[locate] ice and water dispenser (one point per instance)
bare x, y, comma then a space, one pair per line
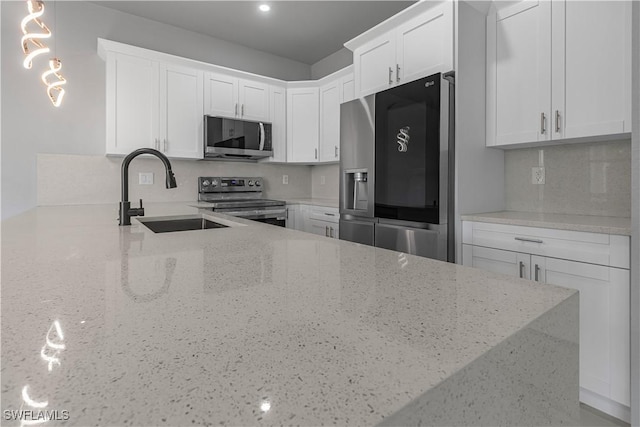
357, 190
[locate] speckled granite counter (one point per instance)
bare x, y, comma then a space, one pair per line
258, 324
327, 203
589, 223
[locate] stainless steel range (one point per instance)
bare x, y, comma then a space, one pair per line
241, 197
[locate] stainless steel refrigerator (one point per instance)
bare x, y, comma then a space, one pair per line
397, 168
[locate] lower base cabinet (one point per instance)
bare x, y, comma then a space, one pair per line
320, 220
604, 317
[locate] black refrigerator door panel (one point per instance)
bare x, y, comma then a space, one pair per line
408, 151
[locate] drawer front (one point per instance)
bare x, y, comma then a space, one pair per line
324, 214
593, 248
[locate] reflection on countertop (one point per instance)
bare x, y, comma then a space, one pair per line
243, 325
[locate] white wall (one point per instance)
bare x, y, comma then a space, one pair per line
332, 63
330, 188
32, 125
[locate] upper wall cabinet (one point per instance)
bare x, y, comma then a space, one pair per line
228, 96
330, 100
412, 44
302, 124
278, 119
545, 81
153, 105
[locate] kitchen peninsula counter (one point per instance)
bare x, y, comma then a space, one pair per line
257, 324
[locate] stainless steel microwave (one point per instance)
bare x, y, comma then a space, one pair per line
230, 139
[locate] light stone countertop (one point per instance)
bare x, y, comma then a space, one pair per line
328, 203
588, 223
247, 325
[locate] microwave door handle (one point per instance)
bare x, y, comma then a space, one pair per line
261, 133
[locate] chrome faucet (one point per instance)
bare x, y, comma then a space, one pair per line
126, 212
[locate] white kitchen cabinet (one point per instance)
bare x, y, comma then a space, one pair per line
302, 124
181, 111
278, 119
294, 218
348, 88
154, 105
545, 83
590, 92
132, 103
419, 45
323, 221
229, 96
604, 294
330, 100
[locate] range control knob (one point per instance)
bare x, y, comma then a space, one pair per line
258, 184
251, 183
214, 182
205, 183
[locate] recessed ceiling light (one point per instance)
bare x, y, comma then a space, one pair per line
264, 8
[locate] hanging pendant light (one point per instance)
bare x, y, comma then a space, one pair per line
54, 88
31, 41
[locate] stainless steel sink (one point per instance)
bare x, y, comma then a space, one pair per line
180, 224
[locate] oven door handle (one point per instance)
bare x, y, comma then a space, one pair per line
261, 135
244, 214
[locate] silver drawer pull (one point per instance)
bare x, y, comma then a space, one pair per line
329, 214
524, 239
521, 270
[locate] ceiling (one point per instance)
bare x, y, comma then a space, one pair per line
304, 31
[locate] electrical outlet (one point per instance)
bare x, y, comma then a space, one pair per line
285, 179
537, 175
322, 180
145, 178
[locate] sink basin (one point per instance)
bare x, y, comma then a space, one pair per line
182, 224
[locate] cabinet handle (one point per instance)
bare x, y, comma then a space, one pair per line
326, 231
316, 155
329, 214
537, 270
397, 72
524, 239
543, 123
165, 145
156, 144
286, 213
242, 110
336, 151
521, 270
557, 121
236, 110
390, 75
331, 232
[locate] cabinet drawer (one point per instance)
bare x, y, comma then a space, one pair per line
324, 214
594, 248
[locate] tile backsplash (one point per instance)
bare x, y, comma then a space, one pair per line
585, 178
74, 179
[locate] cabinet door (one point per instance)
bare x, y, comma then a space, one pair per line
519, 74
374, 65
424, 45
496, 260
604, 322
591, 77
278, 119
132, 103
330, 98
221, 95
181, 112
254, 101
302, 125
348, 88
